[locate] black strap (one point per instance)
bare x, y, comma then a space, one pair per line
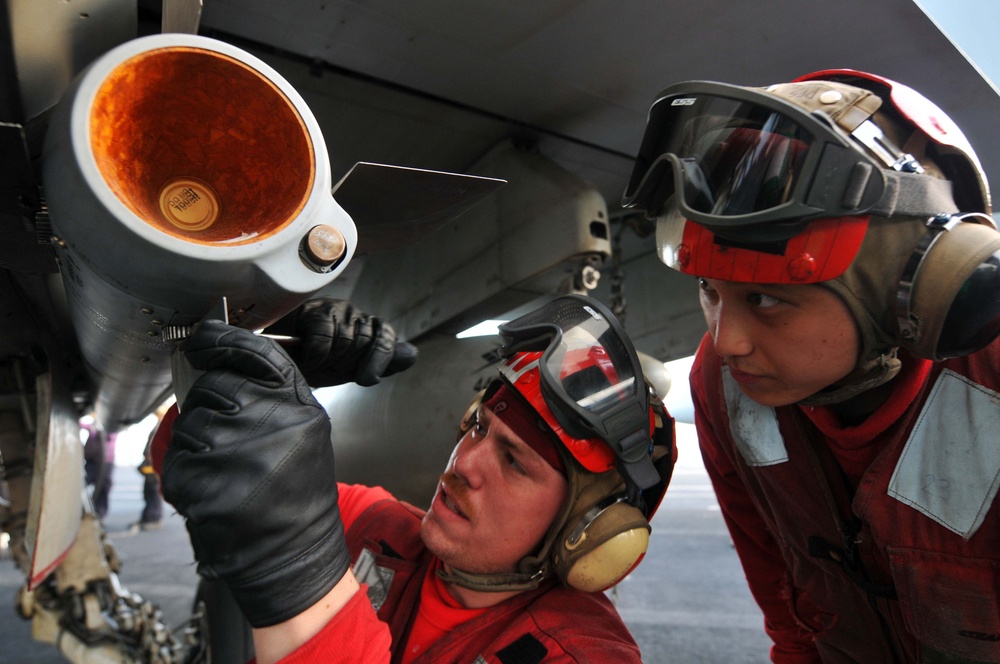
526, 650
840, 496
849, 561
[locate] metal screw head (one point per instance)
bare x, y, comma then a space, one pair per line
323, 247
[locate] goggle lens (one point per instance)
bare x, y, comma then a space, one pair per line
591, 374
734, 157
586, 369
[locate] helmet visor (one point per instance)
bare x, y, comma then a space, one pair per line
738, 160
822, 250
590, 373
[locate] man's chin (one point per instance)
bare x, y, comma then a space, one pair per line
444, 547
771, 398
433, 536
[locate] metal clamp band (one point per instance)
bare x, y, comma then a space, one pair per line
908, 324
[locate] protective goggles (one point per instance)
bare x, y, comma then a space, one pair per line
590, 377
748, 165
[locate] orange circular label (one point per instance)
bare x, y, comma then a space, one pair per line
189, 204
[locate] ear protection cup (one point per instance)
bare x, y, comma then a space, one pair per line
602, 537
597, 550
948, 299
606, 535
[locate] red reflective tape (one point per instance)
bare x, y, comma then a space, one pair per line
823, 251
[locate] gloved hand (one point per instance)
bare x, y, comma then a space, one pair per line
340, 344
251, 469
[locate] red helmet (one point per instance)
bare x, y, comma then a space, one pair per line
587, 379
842, 178
950, 149
521, 372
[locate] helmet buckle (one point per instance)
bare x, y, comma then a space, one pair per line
869, 135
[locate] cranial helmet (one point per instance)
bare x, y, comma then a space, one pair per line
571, 364
840, 178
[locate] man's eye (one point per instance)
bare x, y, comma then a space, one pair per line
514, 464
762, 300
706, 291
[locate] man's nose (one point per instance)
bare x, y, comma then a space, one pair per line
731, 332
469, 458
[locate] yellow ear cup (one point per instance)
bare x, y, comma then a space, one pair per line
595, 556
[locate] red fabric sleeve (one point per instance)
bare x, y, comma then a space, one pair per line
161, 438
354, 635
759, 554
353, 499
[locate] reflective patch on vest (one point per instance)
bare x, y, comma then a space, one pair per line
379, 579
753, 427
480, 660
950, 466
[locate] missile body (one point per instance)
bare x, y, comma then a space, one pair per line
179, 169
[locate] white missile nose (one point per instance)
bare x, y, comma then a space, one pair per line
179, 169
201, 146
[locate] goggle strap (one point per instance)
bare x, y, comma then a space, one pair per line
634, 446
861, 175
640, 474
914, 195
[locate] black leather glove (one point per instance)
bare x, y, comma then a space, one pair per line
250, 467
339, 344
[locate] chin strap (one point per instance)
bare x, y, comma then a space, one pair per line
873, 373
499, 582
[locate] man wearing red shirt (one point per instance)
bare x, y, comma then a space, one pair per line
846, 392
544, 503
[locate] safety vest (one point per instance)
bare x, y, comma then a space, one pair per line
550, 624
907, 569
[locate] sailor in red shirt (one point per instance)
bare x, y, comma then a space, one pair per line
544, 503
846, 392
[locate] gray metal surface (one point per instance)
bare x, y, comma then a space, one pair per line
588, 70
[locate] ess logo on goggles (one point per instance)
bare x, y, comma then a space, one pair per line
751, 166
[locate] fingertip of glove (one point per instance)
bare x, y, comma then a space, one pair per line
404, 356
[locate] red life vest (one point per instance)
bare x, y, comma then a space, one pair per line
902, 567
551, 624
